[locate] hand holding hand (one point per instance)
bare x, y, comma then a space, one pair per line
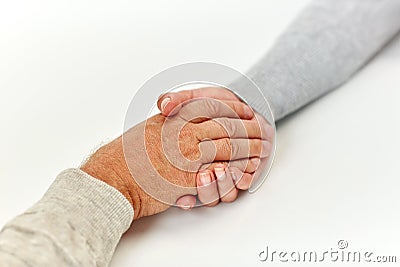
220, 183
142, 163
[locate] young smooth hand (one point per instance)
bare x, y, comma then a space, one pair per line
221, 181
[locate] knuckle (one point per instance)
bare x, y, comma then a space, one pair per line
228, 126
211, 107
256, 146
218, 125
226, 146
257, 129
241, 164
187, 142
207, 151
186, 131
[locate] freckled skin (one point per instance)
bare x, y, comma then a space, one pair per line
157, 162
109, 163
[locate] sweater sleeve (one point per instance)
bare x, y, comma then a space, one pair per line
78, 222
328, 42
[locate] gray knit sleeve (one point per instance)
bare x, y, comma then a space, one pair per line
78, 222
326, 44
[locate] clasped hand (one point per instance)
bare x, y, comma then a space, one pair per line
205, 142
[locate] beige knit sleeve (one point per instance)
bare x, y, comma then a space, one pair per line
78, 222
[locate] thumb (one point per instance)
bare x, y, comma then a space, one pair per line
170, 103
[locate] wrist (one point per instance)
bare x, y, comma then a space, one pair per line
108, 165
107, 176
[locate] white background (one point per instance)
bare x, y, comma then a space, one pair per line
68, 70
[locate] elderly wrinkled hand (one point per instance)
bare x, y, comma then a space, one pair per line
158, 161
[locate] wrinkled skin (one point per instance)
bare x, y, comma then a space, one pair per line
137, 163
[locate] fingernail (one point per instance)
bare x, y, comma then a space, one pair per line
165, 102
205, 178
234, 176
186, 207
220, 172
248, 112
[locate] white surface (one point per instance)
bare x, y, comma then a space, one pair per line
69, 69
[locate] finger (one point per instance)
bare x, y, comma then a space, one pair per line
186, 202
244, 165
226, 149
268, 130
241, 180
260, 173
207, 188
169, 101
230, 128
201, 109
226, 187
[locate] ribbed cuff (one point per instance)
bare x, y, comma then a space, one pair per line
82, 216
90, 196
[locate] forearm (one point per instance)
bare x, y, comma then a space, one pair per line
327, 43
78, 222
